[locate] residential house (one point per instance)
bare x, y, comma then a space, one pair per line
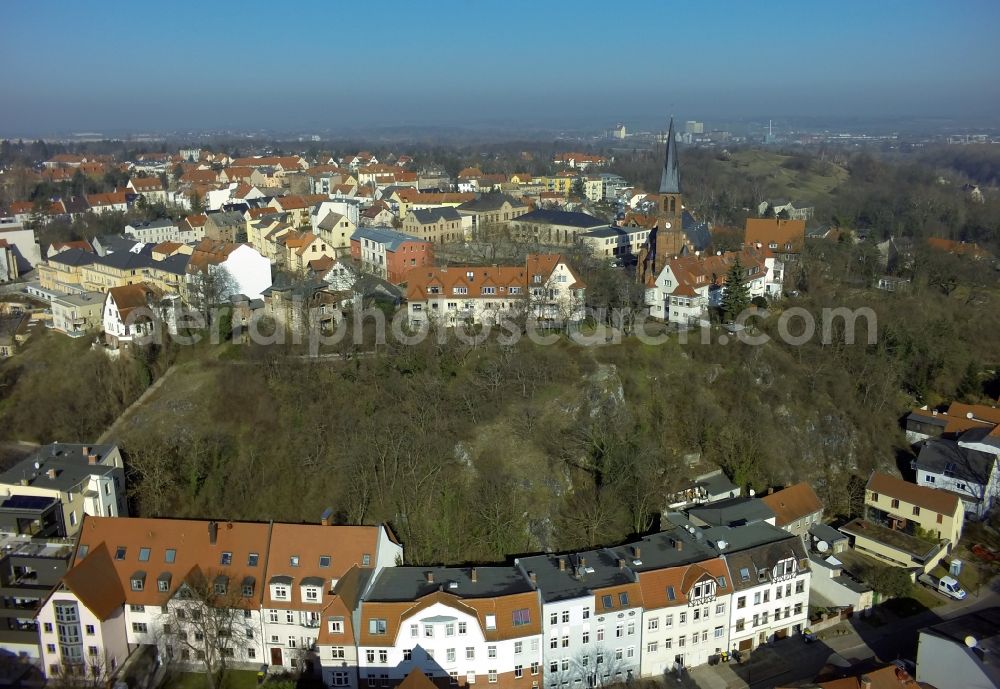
78, 314
302, 304
111, 202
966, 466
81, 479
12, 333
961, 652
907, 525
57, 247
461, 625
310, 568
495, 210
770, 575
782, 238
924, 423
708, 487
546, 289
302, 247
690, 285
224, 226
686, 597
785, 209
832, 586
297, 206
250, 272
436, 225
63, 271
336, 231
21, 248
154, 231
591, 614
116, 269
379, 214
546, 226
796, 509
129, 313
145, 582
150, 188
960, 248
390, 254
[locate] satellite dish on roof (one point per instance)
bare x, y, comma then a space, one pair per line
969, 414
752, 492
970, 641
822, 546
38, 465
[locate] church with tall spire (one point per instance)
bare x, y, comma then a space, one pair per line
667, 239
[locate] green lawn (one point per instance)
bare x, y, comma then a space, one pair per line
234, 679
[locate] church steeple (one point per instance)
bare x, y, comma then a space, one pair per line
670, 179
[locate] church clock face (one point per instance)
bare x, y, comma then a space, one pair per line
666, 225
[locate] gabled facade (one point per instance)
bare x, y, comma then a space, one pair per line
546, 289
478, 625
128, 313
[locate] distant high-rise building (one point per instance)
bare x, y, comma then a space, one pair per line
618, 132
694, 127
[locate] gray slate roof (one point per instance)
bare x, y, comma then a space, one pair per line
384, 235
427, 216
732, 512
584, 572
489, 202
73, 257
947, 457
66, 458
410, 583
548, 216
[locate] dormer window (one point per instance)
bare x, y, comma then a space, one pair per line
247, 587
138, 581
163, 582
221, 585
336, 625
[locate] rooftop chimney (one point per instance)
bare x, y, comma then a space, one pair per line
91, 459
562, 564
679, 544
865, 681
429, 576
583, 561
474, 575
86, 450
770, 490
213, 532
636, 552
621, 563
51, 473
533, 577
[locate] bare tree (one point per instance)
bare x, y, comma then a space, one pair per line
209, 288
206, 622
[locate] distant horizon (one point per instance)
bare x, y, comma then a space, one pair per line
456, 63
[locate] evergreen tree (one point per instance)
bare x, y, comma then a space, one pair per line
736, 294
578, 190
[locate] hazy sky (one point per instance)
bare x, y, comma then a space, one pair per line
171, 64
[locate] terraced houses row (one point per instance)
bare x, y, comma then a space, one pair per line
336, 602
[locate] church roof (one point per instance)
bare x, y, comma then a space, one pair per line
670, 180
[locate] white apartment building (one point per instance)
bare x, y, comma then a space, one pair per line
591, 615
546, 288
467, 626
689, 285
769, 570
154, 231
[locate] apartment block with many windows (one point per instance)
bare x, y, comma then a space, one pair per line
458, 626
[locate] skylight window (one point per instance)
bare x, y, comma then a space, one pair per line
170, 555
252, 559
226, 559
324, 560
143, 554
294, 560
120, 552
